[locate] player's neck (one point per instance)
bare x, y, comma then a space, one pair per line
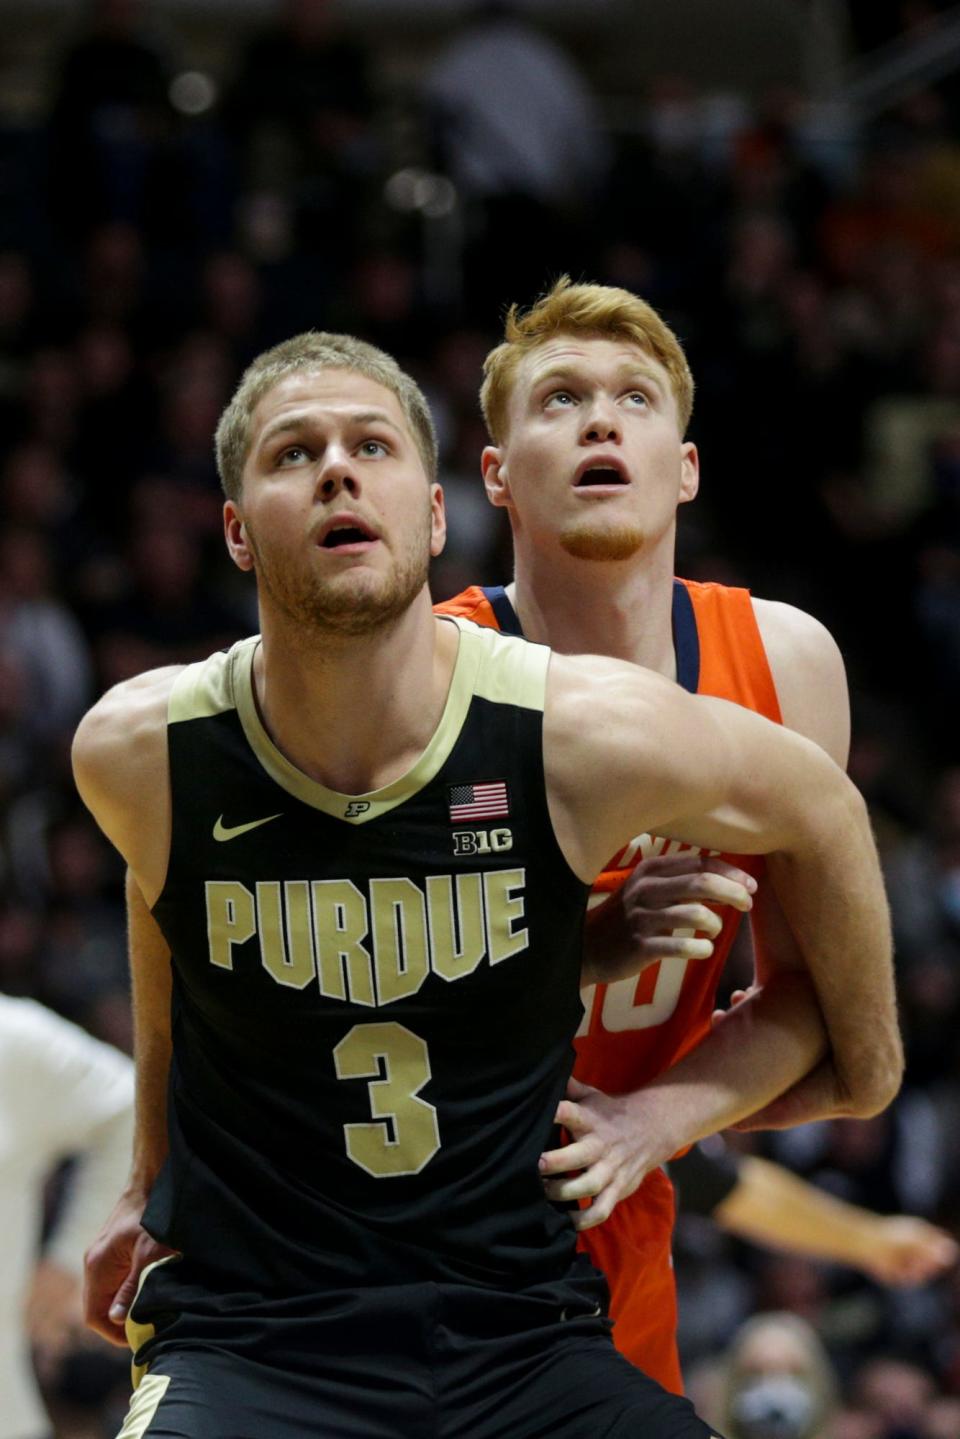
622, 609
355, 713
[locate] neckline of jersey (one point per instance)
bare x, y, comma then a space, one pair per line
686, 638
359, 808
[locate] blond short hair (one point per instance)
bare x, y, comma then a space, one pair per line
316, 350
597, 311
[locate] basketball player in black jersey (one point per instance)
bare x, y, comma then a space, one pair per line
365, 841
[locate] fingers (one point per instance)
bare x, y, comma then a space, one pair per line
671, 946
686, 862
690, 916
686, 867
97, 1316
110, 1279
736, 998
702, 886
124, 1297
916, 1252
659, 883
595, 1213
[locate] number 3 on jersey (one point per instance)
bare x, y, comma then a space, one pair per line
404, 1135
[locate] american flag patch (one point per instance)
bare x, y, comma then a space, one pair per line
478, 801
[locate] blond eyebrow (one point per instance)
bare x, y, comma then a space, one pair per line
631, 370
297, 423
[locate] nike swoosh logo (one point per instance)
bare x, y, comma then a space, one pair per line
222, 831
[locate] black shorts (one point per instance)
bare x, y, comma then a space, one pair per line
422, 1361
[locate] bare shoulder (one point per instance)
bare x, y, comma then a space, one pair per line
809, 675
581, 686
790, 634
120, 767
608, 752
118, 730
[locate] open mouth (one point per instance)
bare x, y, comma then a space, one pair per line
600, 475
345, 535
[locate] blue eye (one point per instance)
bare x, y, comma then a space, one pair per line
374, 448
563, 397
293, 455
638, 395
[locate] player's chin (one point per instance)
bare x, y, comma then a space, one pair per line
602, 539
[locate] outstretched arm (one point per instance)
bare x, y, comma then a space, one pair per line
745, 786
120, 756
855, 996
769, 1205
616, 1139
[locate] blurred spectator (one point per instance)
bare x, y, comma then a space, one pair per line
780, 1384
62, 1094
300, 108
923, 877
16, 317
518, 132
167, 614
111, 118
42, 636
897, 1393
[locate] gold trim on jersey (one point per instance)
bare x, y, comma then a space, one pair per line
144, 1405
205, 689
489, 665
513, 671
485, 666
139, 1334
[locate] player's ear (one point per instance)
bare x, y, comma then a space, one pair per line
235, 534
438, 521
689, 473
495, 479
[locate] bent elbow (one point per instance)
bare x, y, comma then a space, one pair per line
877, 1090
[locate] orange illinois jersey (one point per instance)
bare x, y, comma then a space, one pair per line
636, 1028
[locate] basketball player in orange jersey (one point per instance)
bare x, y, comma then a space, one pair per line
587, 402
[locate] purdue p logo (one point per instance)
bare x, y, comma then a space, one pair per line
482, 841
356, 807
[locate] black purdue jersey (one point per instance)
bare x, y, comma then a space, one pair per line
374, 997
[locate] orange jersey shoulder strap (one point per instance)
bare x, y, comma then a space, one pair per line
733, 662
486, 605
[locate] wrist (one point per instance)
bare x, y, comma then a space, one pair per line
868, 1241
138, 1186
660, 1115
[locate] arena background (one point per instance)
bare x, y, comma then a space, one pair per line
182, 184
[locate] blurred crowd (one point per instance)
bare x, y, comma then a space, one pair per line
160, 227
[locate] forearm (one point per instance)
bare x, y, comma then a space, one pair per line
150, 1141
151, 980
759, 1050
772, 1206
831, 894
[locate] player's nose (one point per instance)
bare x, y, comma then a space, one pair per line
337, 475
601, 423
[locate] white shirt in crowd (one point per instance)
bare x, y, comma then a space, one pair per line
62, 1093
